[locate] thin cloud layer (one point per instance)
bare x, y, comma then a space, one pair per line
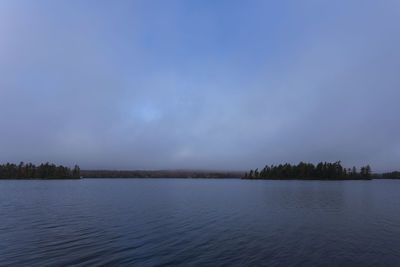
177, 84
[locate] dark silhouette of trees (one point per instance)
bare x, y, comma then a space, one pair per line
160, 174
76, 171
322, 171
43, 171
390, 175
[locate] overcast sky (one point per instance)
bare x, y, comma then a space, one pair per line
200, 84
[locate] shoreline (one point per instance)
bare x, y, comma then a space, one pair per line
194, 178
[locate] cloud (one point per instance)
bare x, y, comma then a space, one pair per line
221, 86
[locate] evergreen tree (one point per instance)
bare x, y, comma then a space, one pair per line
76, 172
322, 170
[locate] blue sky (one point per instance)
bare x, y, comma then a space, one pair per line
200, 84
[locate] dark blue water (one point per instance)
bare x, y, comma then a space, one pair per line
200, 222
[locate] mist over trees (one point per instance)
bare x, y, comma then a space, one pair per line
43, 171
161, 174
322, 171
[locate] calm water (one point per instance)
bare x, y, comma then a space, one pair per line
199, 222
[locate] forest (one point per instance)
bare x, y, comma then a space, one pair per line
303, 171
309, 171
160, 174
389, 175
43, 171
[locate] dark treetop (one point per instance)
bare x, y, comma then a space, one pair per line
43, 171
322, 171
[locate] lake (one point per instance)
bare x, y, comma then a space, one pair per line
199, 222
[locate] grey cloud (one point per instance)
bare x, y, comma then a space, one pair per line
112, 90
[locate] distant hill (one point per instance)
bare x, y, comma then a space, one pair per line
160, 174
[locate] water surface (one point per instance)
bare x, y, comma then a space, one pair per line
199, 222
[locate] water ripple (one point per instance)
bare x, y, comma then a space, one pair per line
199, 223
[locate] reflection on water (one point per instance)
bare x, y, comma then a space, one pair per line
199, 222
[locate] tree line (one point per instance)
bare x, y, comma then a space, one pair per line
321, 171
160, 174
43, 171
390, 175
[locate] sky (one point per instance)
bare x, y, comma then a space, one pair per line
219, 85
